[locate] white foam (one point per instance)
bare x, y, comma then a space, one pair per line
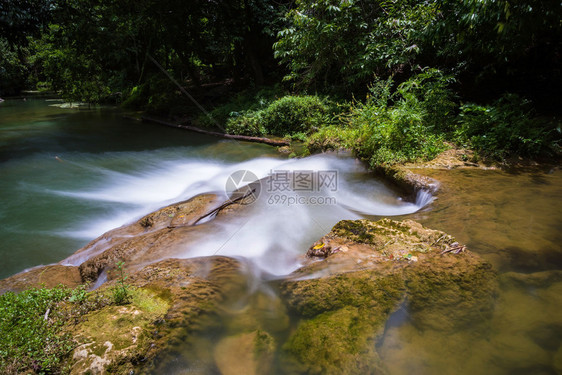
274, 235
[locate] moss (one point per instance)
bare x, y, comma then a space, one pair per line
465, 289
360, 289
336, 342
354, 230
116, 335
345, 310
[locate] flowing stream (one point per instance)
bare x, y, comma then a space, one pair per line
69, 175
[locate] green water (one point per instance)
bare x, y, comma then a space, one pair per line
68, 175
513, 220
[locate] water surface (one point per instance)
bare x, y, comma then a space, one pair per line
67, 176
70, 175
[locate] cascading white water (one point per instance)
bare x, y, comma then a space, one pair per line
279, 225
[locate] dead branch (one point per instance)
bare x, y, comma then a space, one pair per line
267, 141
217, 210
454, 250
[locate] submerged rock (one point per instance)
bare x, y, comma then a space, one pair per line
370, 269
353, 279
247, 353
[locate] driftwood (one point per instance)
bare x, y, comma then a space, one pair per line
218, 209
267, 141
454, 250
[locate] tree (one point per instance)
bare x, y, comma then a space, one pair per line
345, 43
499, 45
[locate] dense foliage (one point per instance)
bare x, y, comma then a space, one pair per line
394, 126
491, 45
505, 128
90, 48
291, 115
481, 73
344, 44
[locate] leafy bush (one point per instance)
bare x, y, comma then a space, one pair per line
503, 129
392, 127
289, 116
295, 114
244, 103
432, 89
249, 123
331, 138
395, 134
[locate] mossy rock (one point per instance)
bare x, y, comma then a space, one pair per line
171, 300
359, 289
115, 337
336, 342
368, 270
246, 353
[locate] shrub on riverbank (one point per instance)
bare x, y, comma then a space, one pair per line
393, 127
396, 123
505, 128
289, 116
243, 103
413, 121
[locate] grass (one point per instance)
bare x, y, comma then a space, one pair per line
31, 329
39, 326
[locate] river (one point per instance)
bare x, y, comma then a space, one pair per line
69, 175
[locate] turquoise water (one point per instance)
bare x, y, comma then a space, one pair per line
69, 175
51, 158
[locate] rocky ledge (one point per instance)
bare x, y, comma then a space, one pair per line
364, 271
353, 279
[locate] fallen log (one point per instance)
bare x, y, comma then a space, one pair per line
267, 141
